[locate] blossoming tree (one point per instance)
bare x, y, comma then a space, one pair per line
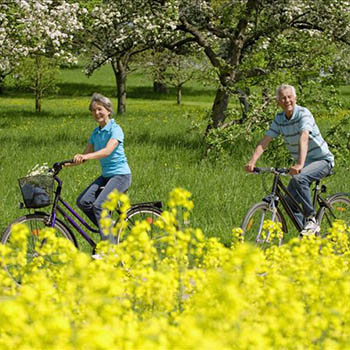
120, 30
38, 28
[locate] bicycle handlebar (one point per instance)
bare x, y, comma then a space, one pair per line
281, 171
57, 167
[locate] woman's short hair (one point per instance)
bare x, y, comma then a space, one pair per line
102, 100
284, 87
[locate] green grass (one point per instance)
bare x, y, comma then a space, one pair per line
163, 150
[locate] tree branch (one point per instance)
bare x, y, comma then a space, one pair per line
201, 40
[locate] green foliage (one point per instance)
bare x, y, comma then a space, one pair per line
224, 143
39, 75
338, 138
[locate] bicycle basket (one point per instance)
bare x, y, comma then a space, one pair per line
36, 190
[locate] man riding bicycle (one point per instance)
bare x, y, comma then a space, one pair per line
303, 139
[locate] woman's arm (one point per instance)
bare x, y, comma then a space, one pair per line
90, 154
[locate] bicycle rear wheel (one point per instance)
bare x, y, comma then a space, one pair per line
252, 224
35, 223
339, 209
149, 214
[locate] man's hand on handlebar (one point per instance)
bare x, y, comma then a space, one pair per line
295, 169
249, 167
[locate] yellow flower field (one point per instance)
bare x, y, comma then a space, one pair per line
193, 293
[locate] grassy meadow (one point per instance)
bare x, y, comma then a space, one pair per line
163, 149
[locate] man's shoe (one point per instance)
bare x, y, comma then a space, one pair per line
311, 227
97, 256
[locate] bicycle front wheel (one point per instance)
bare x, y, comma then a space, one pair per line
252, 224
339, 209
35, 223
150, 215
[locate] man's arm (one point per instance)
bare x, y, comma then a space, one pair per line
259, 150
303, 148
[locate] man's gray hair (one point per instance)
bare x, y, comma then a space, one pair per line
102, 100
284, 87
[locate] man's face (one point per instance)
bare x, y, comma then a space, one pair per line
287, 101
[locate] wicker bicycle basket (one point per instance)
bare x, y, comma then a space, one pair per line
37, 190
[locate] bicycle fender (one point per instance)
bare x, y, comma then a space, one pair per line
339, 194
158, 205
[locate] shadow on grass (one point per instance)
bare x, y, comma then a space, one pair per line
141, 92
137, 92
16, 114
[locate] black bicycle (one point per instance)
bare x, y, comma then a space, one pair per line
329, 209
37, 192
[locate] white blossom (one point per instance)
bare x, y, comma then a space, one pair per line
28, 28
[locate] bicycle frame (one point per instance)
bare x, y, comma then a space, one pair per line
280, 193
57, 208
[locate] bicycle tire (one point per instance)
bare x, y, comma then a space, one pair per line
252, 223
42, 219
150, 214
340, 206
36, 221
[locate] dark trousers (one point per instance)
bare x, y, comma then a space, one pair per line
91, 199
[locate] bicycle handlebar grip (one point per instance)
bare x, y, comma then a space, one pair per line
57, 167
282, 170
70, 161
256, 170
259, 170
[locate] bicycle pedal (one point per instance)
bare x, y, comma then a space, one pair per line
262, 241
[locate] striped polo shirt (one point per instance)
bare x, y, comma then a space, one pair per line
290, 130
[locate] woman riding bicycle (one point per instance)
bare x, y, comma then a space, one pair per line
106, 143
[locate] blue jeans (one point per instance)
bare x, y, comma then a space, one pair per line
91, 199
299, 187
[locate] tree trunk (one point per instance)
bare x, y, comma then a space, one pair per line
160, 87
218, 112
2, 77
243, 99
37, 103
179, 94
37, 84
120, 73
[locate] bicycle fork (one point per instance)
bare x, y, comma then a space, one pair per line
272, 199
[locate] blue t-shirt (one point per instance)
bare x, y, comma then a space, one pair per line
116, 163
290, 130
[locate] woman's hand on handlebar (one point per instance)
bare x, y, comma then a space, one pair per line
57, 167
79, 159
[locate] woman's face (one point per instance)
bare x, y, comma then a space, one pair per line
100, 114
